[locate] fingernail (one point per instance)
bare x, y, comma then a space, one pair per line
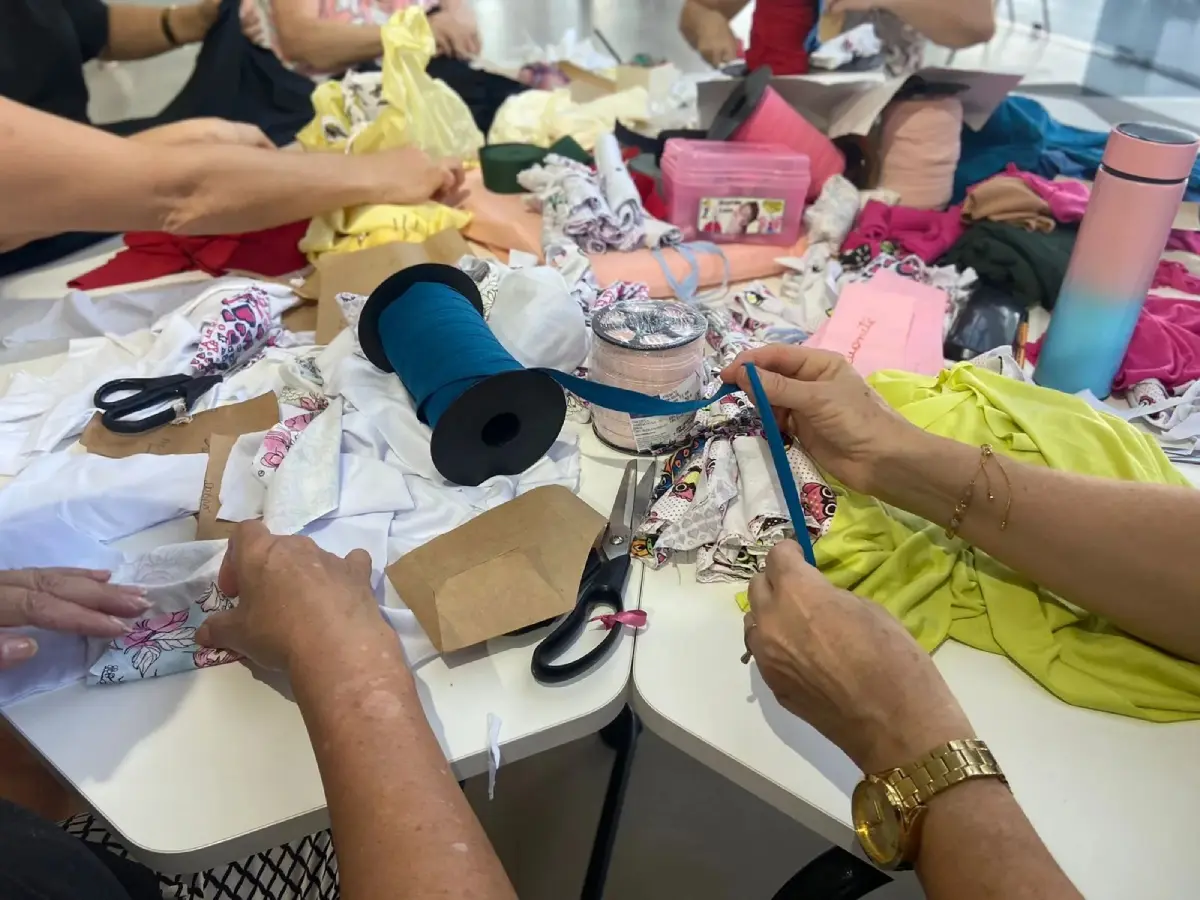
132, 590
121, 624
138, 604
17, 649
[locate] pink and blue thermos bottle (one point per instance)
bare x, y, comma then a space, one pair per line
1141, 181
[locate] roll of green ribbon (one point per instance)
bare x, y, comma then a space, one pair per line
502, 163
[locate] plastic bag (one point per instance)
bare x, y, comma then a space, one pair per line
403, 107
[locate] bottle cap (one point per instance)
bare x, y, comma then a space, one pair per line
1156, 153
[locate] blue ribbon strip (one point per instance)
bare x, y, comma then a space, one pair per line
637, 404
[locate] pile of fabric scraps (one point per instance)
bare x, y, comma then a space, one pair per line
542, 117
717, 496
901, 230
855, 50
348, 464
597, 211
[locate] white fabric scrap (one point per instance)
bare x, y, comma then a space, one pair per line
493, 727
308, 482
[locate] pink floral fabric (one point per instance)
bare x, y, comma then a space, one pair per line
240, 331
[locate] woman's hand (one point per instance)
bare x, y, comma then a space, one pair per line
412, 176
205, 131
293, 598
715, 40
846, 666
78, 601
818, 397
252, 23
456, 33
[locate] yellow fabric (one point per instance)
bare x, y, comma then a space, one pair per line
360, 227
940, 587
542, 117
419, 111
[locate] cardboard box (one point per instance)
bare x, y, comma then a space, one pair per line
365, 270
513, 566
849, 103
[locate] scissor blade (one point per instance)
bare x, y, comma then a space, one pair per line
616, 537
645, 490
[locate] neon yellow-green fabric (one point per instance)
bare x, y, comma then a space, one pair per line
939, 587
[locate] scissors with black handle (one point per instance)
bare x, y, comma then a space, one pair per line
603, 584
179, 392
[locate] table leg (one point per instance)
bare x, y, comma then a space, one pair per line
834, 875
621, 734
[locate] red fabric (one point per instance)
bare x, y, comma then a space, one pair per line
1176, 275
651, 199
1165, 345
152, 254
927, 233
777, 35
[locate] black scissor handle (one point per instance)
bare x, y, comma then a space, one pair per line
139, 390
146, 394
605, 589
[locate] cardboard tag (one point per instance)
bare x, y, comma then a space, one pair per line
515, 565
363, 271
246, 417
301, 318
208, 526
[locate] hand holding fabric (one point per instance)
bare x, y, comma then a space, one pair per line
715, 41
818, 397
292, 598
456, 33
846, 666
412, 176
77, 601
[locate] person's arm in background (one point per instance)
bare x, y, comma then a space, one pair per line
62, 176
950, 23
705, 26
136, 32
1057, 520
401, 826
847, 667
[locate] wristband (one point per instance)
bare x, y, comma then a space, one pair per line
164, 21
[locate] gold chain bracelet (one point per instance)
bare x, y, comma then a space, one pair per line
986, 453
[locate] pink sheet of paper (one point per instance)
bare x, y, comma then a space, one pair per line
888, 322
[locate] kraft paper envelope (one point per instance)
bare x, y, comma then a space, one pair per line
246, 417
208, 526
513, 566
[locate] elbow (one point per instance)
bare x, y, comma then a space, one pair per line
293, 36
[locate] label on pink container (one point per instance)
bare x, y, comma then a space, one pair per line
740, 215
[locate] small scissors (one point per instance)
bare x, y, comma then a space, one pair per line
180, 391
603, 583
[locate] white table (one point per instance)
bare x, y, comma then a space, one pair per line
1110, 796
202, 768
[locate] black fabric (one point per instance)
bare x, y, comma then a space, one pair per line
483, 92
43, 46
1028, 266
38, 861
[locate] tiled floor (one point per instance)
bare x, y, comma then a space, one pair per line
686, 832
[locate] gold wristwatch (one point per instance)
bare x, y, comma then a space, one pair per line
888, 808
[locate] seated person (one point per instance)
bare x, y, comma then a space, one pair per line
328, 37
218, 179
400, 822
780, 28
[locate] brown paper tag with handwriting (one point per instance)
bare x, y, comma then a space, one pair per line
208, 526
246, 417
364, 270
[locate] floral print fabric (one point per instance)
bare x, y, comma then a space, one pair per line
163, 642
717, 496
241, 329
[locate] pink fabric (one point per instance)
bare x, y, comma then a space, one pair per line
1165, 345
1175, 275
1188, 241
923, 232
1067, 199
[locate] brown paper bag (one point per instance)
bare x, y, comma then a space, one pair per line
247, 417
365, 270
208, 526
515, 565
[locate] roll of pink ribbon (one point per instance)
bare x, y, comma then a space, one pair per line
773, 121
919, 148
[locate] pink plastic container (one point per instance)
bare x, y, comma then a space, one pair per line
735, 192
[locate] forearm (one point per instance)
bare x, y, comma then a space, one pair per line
1067, 533
959, 23
977, 843
325, 45
402, 827
135, 32
700, 14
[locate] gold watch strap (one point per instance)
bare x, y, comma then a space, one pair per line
945, 766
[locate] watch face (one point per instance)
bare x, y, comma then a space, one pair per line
877, 822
